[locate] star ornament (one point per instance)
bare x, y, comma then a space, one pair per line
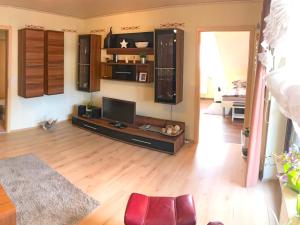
124, 44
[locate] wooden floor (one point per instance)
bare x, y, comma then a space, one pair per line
109, 171
222, 128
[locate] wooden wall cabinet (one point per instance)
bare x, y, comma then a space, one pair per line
89, 63
169, 65
54, 62
130, 71
31, 63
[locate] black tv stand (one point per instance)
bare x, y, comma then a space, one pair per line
118, 124
133, 135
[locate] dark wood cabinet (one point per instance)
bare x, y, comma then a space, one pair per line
133, 72
31, 63
169, 65
54, 62
133, 135
89, 63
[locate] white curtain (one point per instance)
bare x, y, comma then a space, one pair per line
282, 44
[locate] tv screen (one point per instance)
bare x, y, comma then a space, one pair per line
118, 110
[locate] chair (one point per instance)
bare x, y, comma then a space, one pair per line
145, 210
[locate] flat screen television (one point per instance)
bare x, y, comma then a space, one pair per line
118, 110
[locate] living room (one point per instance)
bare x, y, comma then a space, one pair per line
101, 117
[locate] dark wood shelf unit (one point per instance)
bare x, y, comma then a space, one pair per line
148, 68
31, 63
54, 62
169, 48
133, 135
130, 62
130, 38
130, 51
89, 63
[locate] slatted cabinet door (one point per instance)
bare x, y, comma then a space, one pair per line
95, 63
54, 62
31, 63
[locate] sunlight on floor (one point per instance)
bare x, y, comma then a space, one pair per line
223, 168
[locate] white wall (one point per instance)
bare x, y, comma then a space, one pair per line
193, 17
26, 113
275, 139
231, 55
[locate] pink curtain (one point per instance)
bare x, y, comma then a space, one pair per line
257, 118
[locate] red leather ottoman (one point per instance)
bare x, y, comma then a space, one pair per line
215, 223
144, 210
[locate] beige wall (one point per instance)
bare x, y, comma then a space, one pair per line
2, 64
234, 56
234, 51
194, 17
29, 112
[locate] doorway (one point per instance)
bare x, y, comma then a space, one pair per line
3, 79
224, 79
223, 70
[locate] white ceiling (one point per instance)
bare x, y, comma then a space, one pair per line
92, 8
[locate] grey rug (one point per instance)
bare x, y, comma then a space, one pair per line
41, 195
214, 109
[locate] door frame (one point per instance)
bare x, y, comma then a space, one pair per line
250, 73
7, 110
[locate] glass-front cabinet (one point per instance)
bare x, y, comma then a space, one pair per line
168, 65
89, 57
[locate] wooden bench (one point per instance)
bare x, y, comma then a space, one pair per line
7, 209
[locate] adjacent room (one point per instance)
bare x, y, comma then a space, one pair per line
149, 112
224, 70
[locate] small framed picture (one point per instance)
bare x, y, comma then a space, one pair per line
142, 77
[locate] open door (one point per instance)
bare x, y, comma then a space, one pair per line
256, 128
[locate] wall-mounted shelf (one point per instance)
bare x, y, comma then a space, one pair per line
130, 62
129, 51
132, 72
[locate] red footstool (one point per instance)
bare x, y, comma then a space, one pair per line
215, 223
144, 210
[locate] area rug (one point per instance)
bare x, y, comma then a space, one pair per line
214, 109
41, 195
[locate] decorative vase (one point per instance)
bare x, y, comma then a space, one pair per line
245, 144
115, 58
108, 39
143, 60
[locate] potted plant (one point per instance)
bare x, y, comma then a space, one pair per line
245, 133
89, 107
143, 57
291, 168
